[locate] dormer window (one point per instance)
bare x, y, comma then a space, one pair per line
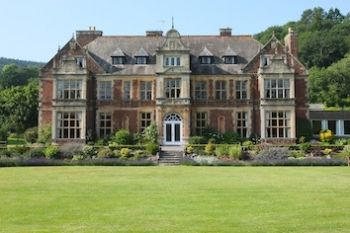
205, 60
141, 56
141, 60
230, 56
117, 60
80, 62
206, 57
172, 61
230, 59
118, 57
265, 61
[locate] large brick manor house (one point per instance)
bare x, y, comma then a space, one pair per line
98, 84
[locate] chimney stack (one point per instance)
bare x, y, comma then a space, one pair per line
225, 31
86, 36
291, 42
154, 33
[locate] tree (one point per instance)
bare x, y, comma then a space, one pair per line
12, 75
18, 106
331, 85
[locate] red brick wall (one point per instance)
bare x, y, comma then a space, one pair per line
46, 117
214, 116
120, 115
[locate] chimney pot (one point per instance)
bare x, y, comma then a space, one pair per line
225, 31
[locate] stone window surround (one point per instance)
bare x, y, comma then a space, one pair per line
264, 109
172, 91
263, 77
69, 109
55, 88
172, 60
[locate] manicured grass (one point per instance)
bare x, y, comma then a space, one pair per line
175, 199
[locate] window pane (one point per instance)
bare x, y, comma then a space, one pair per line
332, 126
316, 127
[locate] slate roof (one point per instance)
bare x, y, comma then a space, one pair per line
205, 52
118, 53
102, 48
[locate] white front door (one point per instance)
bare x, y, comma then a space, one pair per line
172, 130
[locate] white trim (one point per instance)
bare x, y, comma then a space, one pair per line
172, 122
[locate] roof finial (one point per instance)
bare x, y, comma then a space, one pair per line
172, 22
273, 33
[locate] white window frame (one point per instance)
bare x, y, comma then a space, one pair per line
241, 89
277, 88
206, 60
105, 118
127, 90
201, 122
172, 88
145, 90
172, 61
118, 60
141, 60
145, 120
69, 89
69, 122
242, 123
221, 90
105, 88
278, 120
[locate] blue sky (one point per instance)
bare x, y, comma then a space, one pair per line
33, 30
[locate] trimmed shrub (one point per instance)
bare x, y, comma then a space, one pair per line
89, 151
297, 154
152, 148
221, 150
31, 135
248, 144
326, 135
209, 148
67, 151
305, 146
150, 134
211, 134
125, 153
105, 153
52, 152
273, 153
235, 151
189, 149
44, 134
138, 154
123, 137
34, 153
341, 142
231, 137
197, 140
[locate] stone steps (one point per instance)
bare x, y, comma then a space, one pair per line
170, 157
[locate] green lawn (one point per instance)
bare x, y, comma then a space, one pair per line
175, 199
